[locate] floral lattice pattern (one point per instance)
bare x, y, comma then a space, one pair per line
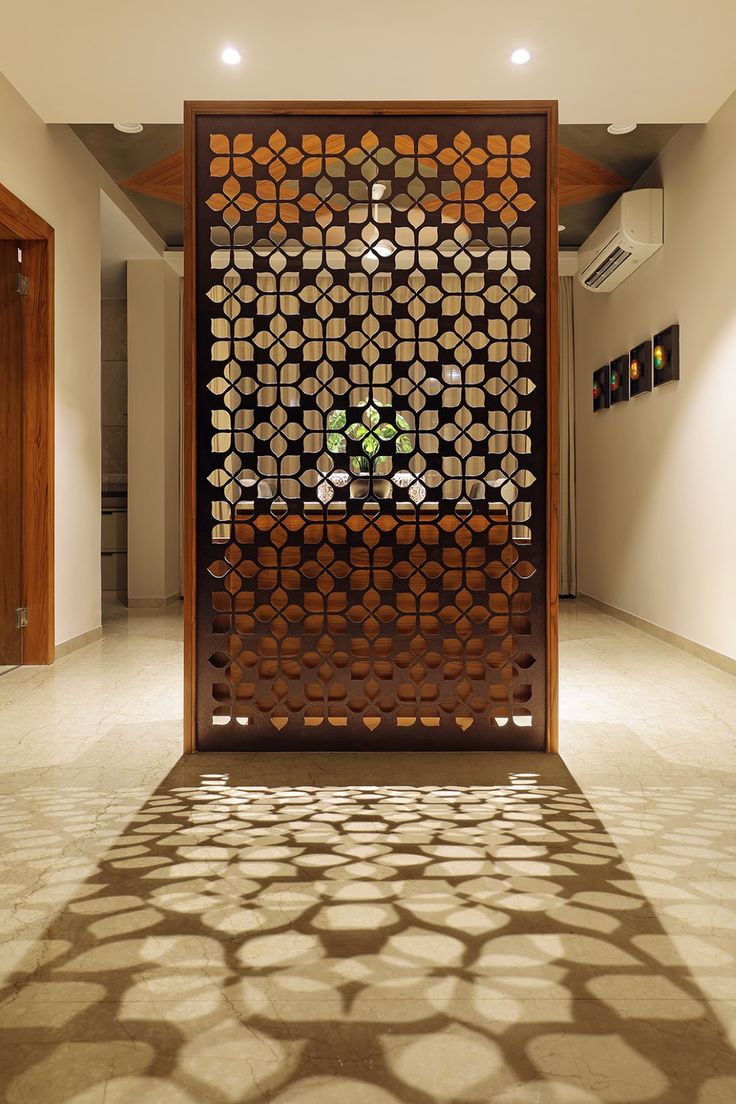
372, 432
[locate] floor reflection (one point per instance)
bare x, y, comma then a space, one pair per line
401, 930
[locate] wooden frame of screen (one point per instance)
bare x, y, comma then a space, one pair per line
380, 108
36, 237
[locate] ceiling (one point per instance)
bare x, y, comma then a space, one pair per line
655, 61
595, 167
125, 155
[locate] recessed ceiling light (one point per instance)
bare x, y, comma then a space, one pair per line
230, 56
521, 56
129, 128
560, 228
621, 128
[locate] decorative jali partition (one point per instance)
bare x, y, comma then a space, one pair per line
372, 314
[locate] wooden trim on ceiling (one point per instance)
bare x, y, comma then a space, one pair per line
582, 179
36, 237
164, 180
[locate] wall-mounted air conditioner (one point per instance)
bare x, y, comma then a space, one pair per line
629, 234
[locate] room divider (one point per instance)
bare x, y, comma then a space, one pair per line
371, 426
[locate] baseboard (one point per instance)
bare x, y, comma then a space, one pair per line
77, 642
700, 651
153, 603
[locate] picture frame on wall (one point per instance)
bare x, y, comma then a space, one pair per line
666, 355
640, 369
619, 379
602, 388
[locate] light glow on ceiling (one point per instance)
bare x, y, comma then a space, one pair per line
231, 56
521, 56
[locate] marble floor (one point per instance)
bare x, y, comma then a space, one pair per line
357, 929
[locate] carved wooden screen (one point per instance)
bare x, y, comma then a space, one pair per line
373, 320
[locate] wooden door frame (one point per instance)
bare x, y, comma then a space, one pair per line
36, 237
192, 109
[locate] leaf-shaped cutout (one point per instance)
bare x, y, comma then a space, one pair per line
520, 167
219, 166
524, 202
462, 141
266, 189
334, 144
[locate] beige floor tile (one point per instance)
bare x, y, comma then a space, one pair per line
357, 929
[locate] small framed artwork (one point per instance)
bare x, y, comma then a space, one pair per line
602, 388
666, 355
620, 379
640, 369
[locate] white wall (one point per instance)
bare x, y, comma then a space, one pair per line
153, 433
171, 420
49, 169
657, 475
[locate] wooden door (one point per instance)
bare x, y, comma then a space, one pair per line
11, 452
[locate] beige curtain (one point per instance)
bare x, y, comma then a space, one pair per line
568, 558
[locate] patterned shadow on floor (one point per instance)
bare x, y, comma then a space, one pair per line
399, 930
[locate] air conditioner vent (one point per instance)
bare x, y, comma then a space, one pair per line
607, 267
631, 232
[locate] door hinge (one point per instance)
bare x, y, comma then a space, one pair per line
21, 617
22, 284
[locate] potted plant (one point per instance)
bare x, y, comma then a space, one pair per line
378, 425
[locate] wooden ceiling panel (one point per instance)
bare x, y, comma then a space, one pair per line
164, 180
581, 179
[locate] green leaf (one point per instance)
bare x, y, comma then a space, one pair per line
371, 431
371, 445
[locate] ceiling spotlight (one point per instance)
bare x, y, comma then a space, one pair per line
521, 56
230, 56
621, 128
560, 228
129, 128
